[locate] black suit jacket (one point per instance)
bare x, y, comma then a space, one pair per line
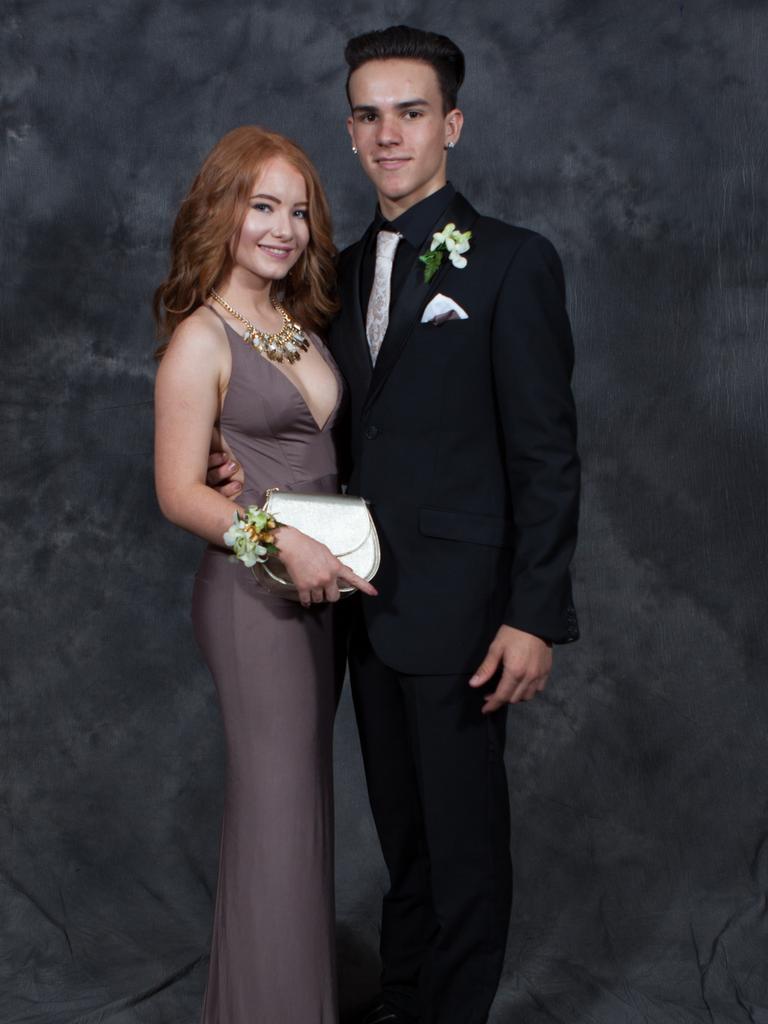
463, 439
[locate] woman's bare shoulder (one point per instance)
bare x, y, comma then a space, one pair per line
202, 327
201, 331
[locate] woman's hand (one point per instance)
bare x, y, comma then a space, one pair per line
315, 571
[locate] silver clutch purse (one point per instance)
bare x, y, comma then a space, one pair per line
340, 521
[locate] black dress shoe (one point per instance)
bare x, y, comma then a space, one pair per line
385, 1013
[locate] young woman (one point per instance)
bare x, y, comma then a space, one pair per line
252, 262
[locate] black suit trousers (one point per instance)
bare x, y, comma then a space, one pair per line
435, 773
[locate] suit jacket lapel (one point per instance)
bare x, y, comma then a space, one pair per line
350, 327
407, 306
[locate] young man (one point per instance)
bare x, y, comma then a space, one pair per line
462, 436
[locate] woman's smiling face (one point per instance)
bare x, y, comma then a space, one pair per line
275, 231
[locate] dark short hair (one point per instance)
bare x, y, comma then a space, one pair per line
406, 43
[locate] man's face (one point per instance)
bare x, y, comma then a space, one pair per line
400, 130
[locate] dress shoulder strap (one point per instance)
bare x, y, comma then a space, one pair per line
216, 312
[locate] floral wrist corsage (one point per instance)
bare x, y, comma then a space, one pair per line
251, 536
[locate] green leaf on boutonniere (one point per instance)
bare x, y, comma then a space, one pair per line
432, 261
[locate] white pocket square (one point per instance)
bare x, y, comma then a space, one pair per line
440, 309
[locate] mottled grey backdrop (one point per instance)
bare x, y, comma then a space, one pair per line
635, 136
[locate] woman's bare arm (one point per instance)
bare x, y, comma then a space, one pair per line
191, 379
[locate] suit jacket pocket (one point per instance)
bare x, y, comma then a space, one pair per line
467, 527
446, 328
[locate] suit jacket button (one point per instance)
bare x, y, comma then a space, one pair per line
371, 432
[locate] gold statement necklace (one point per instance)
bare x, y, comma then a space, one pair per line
287, 343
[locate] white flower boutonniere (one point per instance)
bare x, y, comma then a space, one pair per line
450, 241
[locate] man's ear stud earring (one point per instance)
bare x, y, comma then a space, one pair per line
354, 150
450, 145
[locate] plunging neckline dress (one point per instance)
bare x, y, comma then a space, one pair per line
275, 668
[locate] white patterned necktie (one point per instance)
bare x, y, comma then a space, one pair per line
377, 317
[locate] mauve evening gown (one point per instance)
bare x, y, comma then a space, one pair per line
272, 955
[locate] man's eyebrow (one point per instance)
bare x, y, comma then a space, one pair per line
364, 108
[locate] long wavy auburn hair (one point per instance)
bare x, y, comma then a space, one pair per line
209, 221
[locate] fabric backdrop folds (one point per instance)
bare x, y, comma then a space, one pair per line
635, 136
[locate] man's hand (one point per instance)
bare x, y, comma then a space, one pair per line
527, 662
224, 475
